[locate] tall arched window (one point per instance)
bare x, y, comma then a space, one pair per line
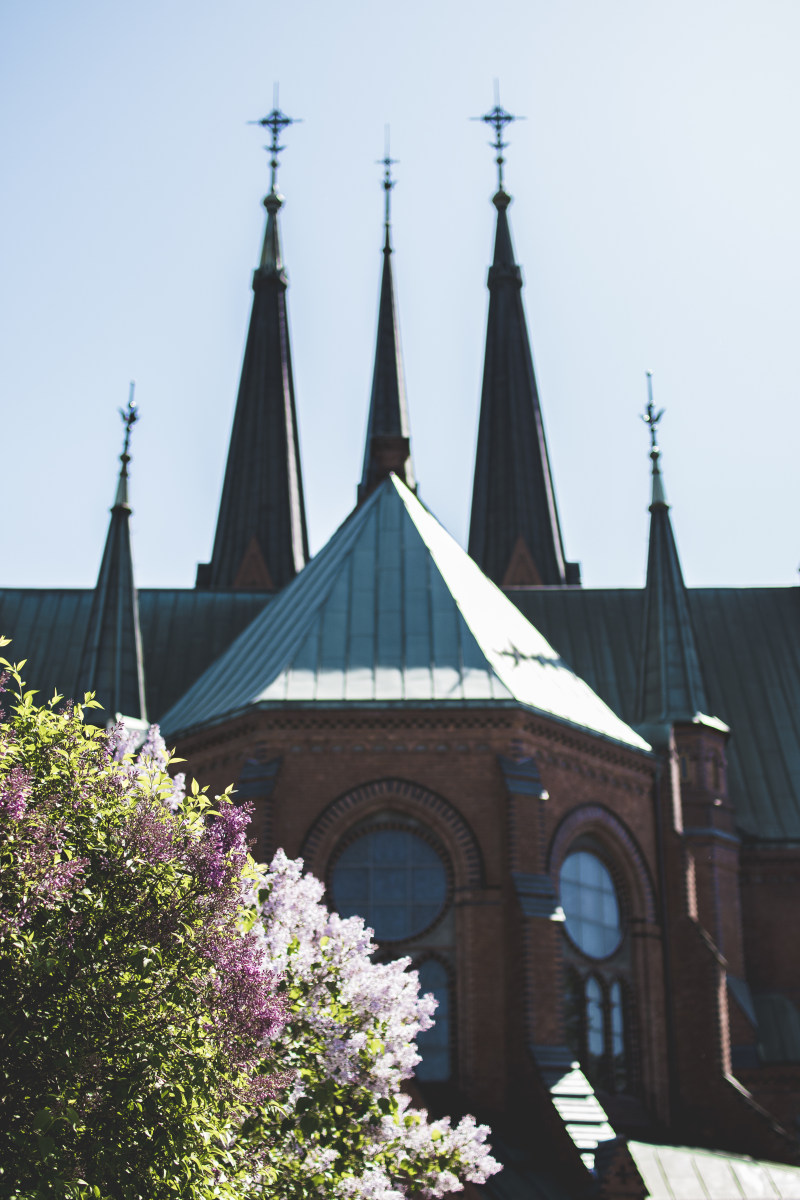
597, 958
392, 872
434, 1044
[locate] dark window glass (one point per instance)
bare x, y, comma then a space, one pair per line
595, 1037
589, 900
617, 1015
393, 879
434, 1043
573, 1013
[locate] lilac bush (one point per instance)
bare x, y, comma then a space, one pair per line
175, 1023
138, 1007
350, 1038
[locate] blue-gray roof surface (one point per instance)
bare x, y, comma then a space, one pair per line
682, 1173
749, 645
748, 640
183, 631
394, 610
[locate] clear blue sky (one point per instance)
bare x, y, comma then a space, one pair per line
657, 200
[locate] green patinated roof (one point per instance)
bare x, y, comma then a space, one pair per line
748, 640
183, 631
681, 1173
394, 610
749, 645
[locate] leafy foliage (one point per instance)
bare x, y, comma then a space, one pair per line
136, 1003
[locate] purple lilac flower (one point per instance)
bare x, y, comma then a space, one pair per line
15, 791
223, 850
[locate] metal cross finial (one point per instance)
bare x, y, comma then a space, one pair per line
130, 416
276, 121
650, 417
387, 162
498, 117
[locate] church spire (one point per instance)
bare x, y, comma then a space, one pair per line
388, 444
261, 540
111, 663
515, 536
671, 684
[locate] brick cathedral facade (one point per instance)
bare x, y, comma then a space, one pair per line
578, 811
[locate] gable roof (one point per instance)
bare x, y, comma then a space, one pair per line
393, 610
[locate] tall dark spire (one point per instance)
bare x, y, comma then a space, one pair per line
261, 539
111, 663
671, 684
514, 536
388, 444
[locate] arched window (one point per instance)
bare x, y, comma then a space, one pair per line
597, 955
393, 879
392, 872
590, 904
434, 1044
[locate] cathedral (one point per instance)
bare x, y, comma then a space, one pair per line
576, 810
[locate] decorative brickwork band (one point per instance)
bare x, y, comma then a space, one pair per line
406, 797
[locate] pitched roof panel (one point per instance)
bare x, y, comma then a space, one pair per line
749, 647
183, 631
393, 610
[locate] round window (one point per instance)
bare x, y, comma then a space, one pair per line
590, 904
393, 879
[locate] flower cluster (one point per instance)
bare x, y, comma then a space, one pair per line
151, 761
314, 947
14, 792
351, 1031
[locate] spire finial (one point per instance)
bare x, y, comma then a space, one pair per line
130, 415
498, 117
387, 162
276, 121
651, 419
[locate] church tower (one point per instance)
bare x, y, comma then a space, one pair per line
515, 535
111, 663
261, 540
388, 442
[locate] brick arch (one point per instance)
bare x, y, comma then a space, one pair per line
621, 845
405, 797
